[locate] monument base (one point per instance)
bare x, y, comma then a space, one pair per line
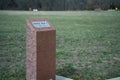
62, 78
118, 78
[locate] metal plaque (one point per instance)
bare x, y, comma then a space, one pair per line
40, 24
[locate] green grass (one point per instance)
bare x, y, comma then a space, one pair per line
88, 43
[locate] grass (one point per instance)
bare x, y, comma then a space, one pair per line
88, 43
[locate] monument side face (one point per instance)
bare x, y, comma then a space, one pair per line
40, 51
30, 53
46, 46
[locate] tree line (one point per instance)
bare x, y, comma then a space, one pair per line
58, 4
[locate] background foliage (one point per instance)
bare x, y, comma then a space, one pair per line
58, 4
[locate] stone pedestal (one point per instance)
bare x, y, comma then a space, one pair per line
40, 50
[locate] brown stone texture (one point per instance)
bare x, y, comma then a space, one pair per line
40, 52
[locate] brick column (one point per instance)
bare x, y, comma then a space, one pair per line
40, 50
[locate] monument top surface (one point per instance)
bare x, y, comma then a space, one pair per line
39, 24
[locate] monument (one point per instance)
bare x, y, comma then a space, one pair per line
40, 50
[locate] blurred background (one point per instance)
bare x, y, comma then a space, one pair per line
59, 4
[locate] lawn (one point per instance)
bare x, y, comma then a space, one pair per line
88, 43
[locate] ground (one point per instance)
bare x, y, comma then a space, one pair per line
88, 43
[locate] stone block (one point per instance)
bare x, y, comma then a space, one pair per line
40, 50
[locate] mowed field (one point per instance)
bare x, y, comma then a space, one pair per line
87, 43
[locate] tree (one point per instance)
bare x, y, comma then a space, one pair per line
12, 5
58, 4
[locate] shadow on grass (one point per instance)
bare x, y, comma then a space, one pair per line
70, 72
75, 74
